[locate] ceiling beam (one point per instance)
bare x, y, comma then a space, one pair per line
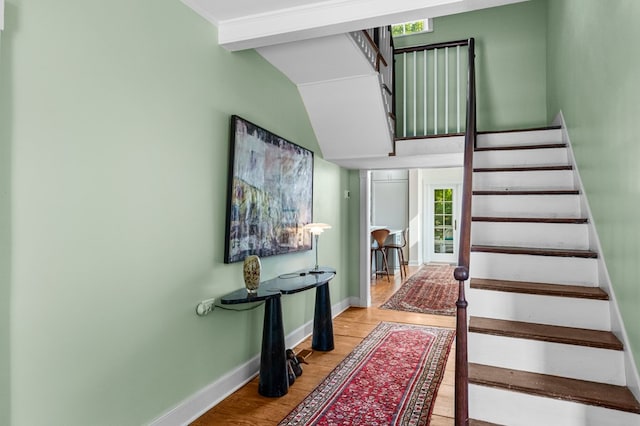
326, 18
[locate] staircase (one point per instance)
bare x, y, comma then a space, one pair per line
541, 350
344, 81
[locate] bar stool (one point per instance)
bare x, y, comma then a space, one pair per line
379, 236
399, 248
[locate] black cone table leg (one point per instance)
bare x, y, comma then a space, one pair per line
322, 322
273, 364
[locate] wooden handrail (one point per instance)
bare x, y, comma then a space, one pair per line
461, 272
432, 46
374, 46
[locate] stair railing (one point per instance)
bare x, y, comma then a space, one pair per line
377, 46
461, 272
430, 92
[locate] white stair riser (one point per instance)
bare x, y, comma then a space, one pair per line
547, 179
521, 157
530, 234
526, 205
518, 409
433, 146
551, 310
534, 137
576, 362
546, 269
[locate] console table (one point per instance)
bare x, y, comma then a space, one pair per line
273, 364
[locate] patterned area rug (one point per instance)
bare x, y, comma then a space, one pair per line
431, 290
390, 378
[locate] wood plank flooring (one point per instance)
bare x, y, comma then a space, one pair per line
247, 407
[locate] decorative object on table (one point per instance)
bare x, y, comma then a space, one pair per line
251, 273
399, 386
316, 229
269, 194
431, 290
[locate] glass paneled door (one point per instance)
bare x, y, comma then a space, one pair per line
442, 228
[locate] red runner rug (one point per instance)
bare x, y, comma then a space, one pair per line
390, 378
431, 290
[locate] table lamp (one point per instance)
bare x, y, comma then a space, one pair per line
316, 229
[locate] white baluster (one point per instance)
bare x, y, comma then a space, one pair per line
435, 91
415, 94
446, 90
458, 89
404, 94
425, 92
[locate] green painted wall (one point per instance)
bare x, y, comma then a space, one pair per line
5, 232
115, 116
510, 50
593, 78
5, 244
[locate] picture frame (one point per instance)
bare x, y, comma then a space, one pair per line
269, 194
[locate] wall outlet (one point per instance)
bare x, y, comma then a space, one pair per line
205, 307
347, 194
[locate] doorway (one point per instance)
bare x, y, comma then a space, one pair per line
441, 223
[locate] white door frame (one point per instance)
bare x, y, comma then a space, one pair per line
365, 239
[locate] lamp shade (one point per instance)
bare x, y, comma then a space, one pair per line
316, 228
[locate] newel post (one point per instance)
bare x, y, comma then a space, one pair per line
461, 274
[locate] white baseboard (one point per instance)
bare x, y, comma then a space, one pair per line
207, 397
359, 302
203, 400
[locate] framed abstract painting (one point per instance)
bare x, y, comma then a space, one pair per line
269, 194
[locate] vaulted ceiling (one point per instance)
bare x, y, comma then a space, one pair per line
246, 24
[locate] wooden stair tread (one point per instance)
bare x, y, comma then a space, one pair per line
545, 333
536, 251
523, 129
591, 393
526, 192
523, 168
566, 220
516, 147
543, 289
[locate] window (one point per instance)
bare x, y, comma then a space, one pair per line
443, 220
425, 25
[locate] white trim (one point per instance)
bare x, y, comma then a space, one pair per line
1, 15
617, 323
418, 161
203, 400
415, 241
327, 18
365, 239
207, 397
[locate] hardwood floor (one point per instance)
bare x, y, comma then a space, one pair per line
247, 407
